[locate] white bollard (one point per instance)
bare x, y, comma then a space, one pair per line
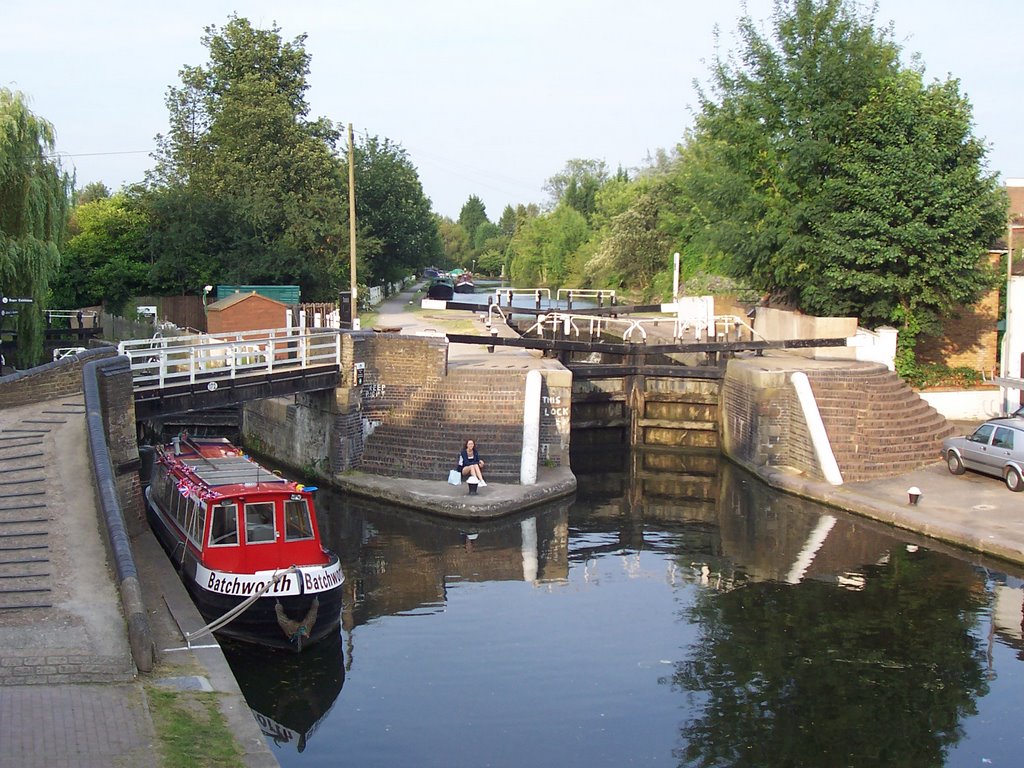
531, 429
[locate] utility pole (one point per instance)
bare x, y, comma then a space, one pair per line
352, 228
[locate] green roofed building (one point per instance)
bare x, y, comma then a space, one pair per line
286, 294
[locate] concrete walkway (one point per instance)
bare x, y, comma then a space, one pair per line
69, 691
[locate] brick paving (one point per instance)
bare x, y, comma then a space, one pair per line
68, 689
78, 726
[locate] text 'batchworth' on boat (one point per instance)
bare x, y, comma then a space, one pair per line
246, 543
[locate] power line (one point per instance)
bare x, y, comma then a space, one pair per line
101, 154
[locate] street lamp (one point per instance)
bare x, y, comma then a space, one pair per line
206, 292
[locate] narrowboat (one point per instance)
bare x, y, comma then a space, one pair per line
443, 288
464, 283
240, 533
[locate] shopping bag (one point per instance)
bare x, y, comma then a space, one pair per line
454, 477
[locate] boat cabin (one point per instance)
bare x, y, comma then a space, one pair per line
235, 514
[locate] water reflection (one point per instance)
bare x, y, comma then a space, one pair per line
675, 612
290, 694
398, 562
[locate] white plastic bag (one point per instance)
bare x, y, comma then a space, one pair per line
454, 477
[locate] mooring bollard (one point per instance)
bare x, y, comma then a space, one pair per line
494, 335
472, 482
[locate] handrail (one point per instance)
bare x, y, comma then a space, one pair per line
160, 362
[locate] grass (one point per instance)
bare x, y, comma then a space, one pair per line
191, 731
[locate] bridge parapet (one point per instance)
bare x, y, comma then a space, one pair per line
164, 362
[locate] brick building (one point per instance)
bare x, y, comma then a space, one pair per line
245, 312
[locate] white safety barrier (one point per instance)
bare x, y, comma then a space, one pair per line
531, 429
819, 437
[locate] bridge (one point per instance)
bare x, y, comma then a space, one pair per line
198, 372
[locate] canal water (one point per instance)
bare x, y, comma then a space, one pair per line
650, 622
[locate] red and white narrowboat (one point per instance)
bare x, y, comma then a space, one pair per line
235, 529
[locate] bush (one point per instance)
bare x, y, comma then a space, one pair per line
937, 375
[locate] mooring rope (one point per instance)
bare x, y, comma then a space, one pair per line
230, 616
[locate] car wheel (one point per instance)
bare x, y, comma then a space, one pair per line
1013, 480
956, 466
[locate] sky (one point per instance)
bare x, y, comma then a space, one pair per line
487, 98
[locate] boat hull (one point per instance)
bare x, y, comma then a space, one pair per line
441, 291
290, 615
465, 288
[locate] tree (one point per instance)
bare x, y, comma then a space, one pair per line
781, 178
104, 262
472, 215
545, 247
34, 199
454, 241
634, 248
391, 206
241, 139
577, 184
94, 190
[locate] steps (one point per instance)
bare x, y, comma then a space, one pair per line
421, 437
878, 426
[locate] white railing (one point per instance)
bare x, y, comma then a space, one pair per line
509, 294
571, 294
630, 329
161, 362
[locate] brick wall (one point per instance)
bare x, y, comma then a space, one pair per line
970, 338
250, 313
118, 412
761, 421
48, 381
409, 417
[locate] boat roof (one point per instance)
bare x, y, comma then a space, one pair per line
230, 470
217, 463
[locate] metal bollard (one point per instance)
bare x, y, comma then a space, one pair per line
494, 335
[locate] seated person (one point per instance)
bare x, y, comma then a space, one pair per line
470, 463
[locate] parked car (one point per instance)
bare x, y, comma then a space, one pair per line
995, 448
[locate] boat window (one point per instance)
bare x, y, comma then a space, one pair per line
178, 507
198, 522
224, 525
189, 508
297, 523
259, 522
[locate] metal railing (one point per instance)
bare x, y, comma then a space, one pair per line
162, 362
569, 325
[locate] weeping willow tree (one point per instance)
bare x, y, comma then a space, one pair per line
34, 198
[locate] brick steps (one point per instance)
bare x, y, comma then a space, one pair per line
878, 426
420, 437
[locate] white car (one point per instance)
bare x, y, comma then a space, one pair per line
995, 448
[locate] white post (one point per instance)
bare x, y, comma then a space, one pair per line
675, 277
819, 437
531, 429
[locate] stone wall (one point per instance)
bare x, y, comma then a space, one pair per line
45, 382
761, 421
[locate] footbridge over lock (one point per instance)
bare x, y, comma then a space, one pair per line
198, 372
